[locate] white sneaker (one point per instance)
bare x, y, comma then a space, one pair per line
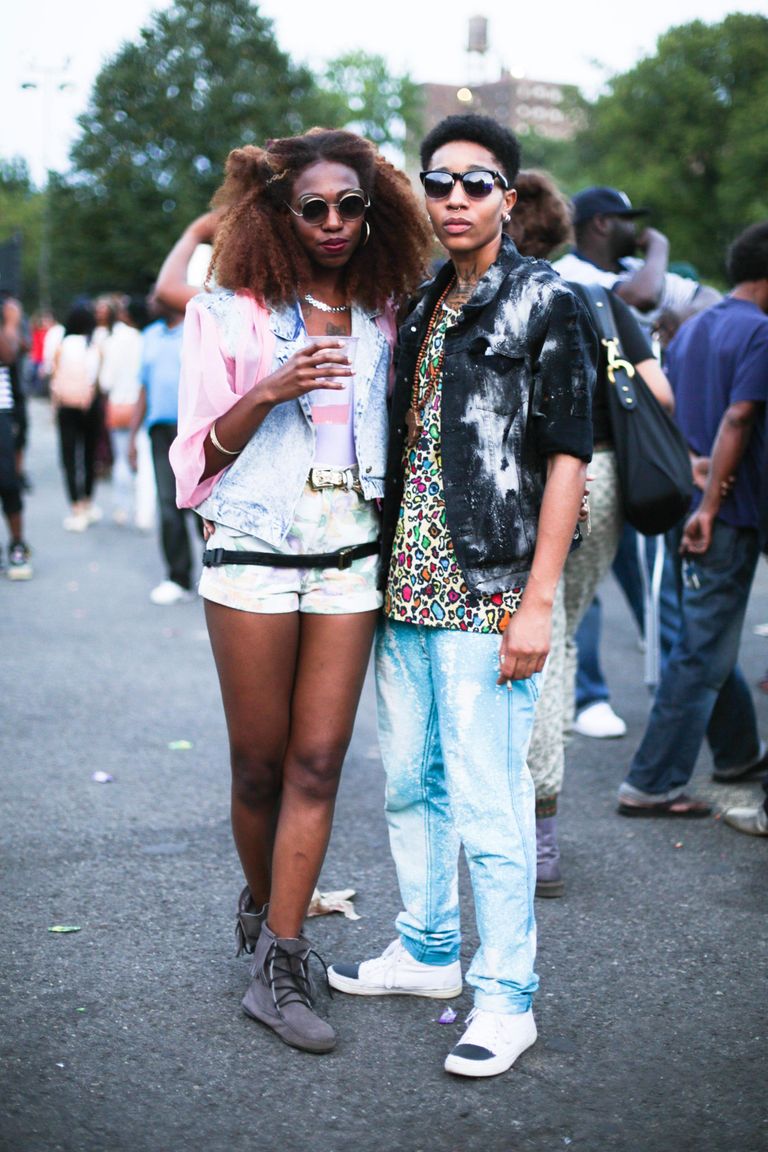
753, 821
396, 972
491, 1043
77, 522
93, 514
169, 592
600, 722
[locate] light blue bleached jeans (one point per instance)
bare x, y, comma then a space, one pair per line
454, 748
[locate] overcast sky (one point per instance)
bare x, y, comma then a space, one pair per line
54, 42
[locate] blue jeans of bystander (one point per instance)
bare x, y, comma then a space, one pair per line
702, 690
590, 681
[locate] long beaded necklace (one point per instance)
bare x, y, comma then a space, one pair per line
414, 417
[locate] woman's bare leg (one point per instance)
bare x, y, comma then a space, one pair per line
331, 663
255, 657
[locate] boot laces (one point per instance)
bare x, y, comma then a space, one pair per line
288, 977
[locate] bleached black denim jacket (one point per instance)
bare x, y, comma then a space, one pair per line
517, 382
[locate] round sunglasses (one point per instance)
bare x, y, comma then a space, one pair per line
314, 209
477, 183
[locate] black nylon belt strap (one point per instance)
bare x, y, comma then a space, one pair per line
216, 557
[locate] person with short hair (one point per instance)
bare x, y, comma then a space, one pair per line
614, 250
718, 367
541, 217
490, 434
607, 243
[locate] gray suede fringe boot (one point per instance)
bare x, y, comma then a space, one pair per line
248, 923
280, 996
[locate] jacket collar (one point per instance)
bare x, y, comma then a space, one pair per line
287, 323
487, 288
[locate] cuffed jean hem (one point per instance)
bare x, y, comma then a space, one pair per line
629, 792
426, 955
747, 764
513, 1005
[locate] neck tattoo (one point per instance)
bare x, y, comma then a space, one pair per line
465, 284
322, 306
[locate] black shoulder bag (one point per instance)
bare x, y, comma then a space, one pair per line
652, 458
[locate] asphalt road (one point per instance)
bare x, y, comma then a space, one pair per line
127, 1036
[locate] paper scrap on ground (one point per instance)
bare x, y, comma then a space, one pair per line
102, 778
65, 928
180, 745
448, 1016
324, 902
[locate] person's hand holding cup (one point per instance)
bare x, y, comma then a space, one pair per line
332, 405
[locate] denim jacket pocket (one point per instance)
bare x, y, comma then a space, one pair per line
501, 370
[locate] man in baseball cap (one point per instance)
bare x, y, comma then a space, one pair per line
608, 245
610, 250
603, 201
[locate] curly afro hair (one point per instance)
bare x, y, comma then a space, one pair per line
257, 249
541, 217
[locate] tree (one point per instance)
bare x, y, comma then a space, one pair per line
21, 211
684, 133
370, 101
203, 77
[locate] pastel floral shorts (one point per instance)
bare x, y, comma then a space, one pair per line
325, 521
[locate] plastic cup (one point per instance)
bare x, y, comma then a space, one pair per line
332, 405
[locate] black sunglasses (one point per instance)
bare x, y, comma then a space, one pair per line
478, 183
350, 206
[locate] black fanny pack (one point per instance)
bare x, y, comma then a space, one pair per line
216, 557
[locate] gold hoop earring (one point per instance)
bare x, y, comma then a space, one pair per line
367, 234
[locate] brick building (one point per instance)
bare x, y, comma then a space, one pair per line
522, 104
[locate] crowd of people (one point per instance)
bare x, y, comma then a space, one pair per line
425, 466
111, 370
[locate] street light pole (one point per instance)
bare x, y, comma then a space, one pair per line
50, 82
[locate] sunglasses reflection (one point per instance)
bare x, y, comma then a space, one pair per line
477, 183
315, 209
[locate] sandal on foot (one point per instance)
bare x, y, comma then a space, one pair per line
683, 807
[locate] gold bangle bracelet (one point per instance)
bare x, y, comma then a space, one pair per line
220, 447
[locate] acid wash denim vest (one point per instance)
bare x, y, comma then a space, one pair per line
259, 492
518, 375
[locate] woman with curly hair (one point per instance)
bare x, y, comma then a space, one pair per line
541, 222
319, 236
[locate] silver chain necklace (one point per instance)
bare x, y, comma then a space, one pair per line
310, 299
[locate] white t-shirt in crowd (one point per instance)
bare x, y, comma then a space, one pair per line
678, 291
